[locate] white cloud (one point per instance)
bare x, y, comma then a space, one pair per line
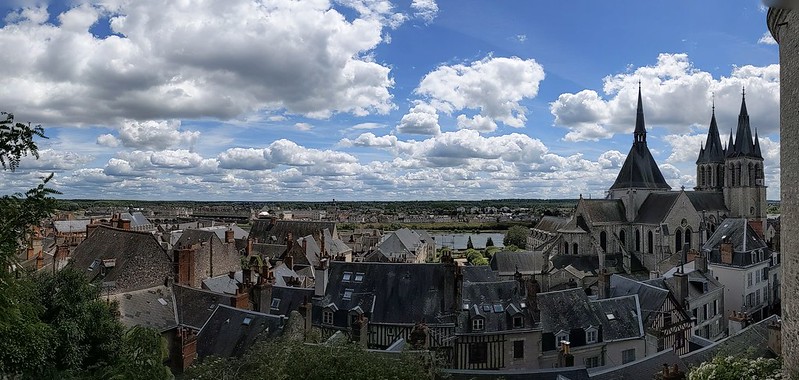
108, 140
767, 39
194, 60
521, 38
304, 127
494, 85
425, 9
150, 134
477, 123
422, 119
370, 140
244, 158
676, 96
50, 159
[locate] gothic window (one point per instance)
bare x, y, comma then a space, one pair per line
623, 238
688, 236
566, 248
638, 240
649, 242
603, 240
677, 240
574, 249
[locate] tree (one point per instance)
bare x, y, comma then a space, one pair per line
469, 244
516, 235
489, 242
734, 368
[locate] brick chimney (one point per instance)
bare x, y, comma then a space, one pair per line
565, 357
90, 228
262, 292
186, 347
60, 257
289, 241
184, 266
360, 331
306, 309
700, 262
40, 260
726, 252
775, 337
229, 236
242, 298
322, 251
248, 250
320, 278
124, 224
533, 288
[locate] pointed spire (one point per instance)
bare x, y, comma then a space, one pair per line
743, 103
639, 135
743, 135
757, 153
713, 152
730, 149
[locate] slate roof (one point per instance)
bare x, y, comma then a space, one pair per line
744, 145
190, 237
153, 307
194, 306
135, 259
566, 310
291, 298
497, 302
70, 226
229, 332
640, 170
753, 339
644, 368
712, 151
266, 232
526, 262
744, 241
238, 232
137, 219
707, 200
223, 283
656, 207
478, 273
605, 210
625, 322
400, 243
551, 223
650, 297
696, 283
580, 262
391, 293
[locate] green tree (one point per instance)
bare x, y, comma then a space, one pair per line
469, 244
735, 368
516, 235
489, 242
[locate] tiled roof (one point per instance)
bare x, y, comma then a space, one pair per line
478, 273
656, 207
70, 226
194, 306
650, 297
275, 233
526, 262
644, 368
605, 210
496, 302
551, 223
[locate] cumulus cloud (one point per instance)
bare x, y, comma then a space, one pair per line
676, 96
150, 134
425, 9
195, 59
304, 127
54, 160
495, 86
422, 119
370, 140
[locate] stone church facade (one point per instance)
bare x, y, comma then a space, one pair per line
643, 224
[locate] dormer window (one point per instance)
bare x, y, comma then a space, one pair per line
327, 317
358, 277
591, 335
518, 321
347, 276
347, 294
478, 324
560, 337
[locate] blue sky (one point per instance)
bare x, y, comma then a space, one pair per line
376, 100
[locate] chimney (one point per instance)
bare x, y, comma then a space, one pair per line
533, 288
306, 309
700, 262
186, 347
726, 252
61, 255
288, 261
40, 260
565, 358
757, 225
360, 331
229, 237
248, 250
184, 266
30, 255
242, 298
124, 224
653, 274
262, 293
419, 338
603, 282
681, 293
775, 337
90, 228
322, 252
304, 245
320, 278
289, 242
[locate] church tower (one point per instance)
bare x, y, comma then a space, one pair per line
710, 164
744, 185
639, 175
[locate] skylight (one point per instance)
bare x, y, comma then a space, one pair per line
246, 321
347, 294
358, 277
610, 316
498, 308
347, 276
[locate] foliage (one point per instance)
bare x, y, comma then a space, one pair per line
286, 359
469, 244
16, 141
489, 242
516, 235
736, 368
142, 357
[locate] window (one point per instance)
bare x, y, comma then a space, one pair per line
478, 323
347, 294
487, 308
518, 321
591, 335
275, 303
347, 276
749, 279
628, 356
704, 312
358, 277
478, 353
246, 321
757, 297
518, 349
498, 308
592, 362
696, 318
667, 318
715, 307
560, 337
327, 317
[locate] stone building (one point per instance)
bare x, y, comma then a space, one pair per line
782, 24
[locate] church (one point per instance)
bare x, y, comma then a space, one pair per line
643, 224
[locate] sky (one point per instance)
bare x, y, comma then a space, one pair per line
376, 100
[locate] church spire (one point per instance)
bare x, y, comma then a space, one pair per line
744, 147
758, 153
639, 135
713, 151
